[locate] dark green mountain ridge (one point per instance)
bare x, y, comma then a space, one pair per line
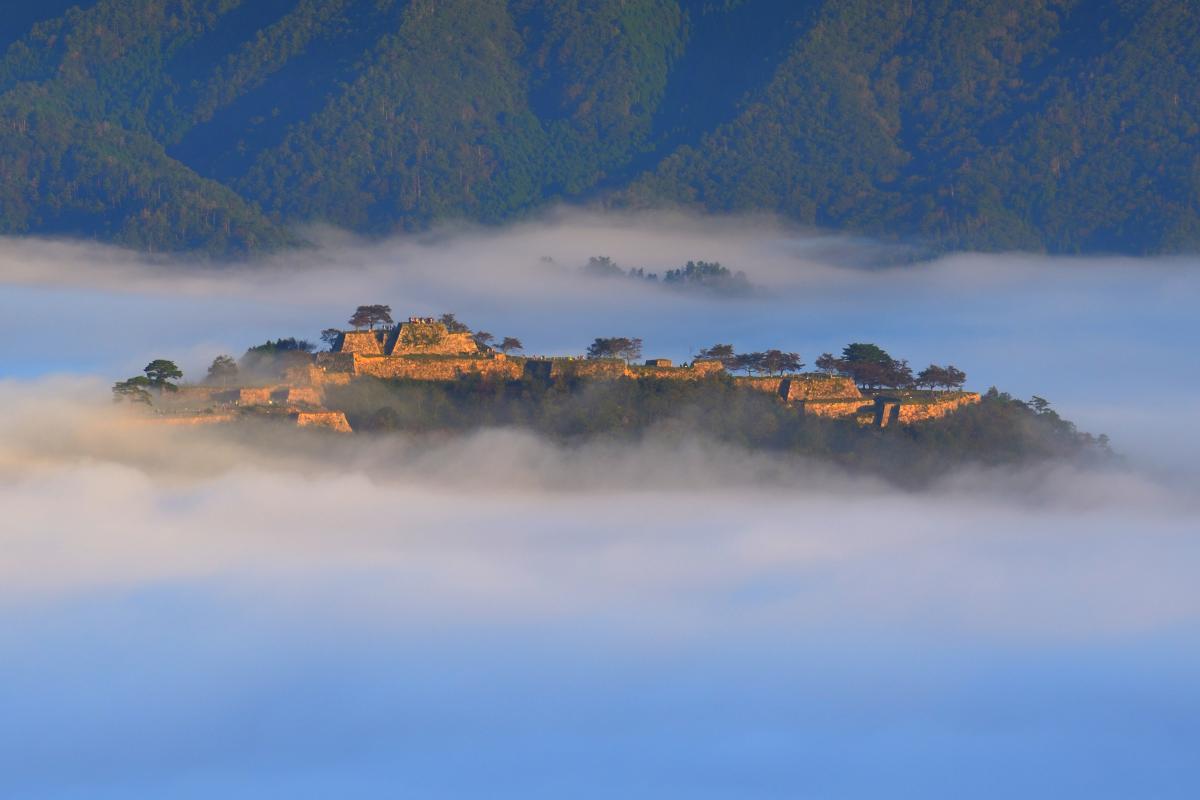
223, 125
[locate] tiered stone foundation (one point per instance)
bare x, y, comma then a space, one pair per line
425, 337
367, 343
919, 412
329, 420
795, 388
832, 409
436, 369
342, 367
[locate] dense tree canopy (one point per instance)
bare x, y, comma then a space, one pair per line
331, 336
223, 371
615, 347
453, 325
371, 315
132, 390
934, 376
225, 125
777, 362
160, 372
718, 352
274, 357
157, 376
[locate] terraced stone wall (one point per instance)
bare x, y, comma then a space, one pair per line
602, 368
832, 409
696, 371
918, 412
794, 388
293, 395
437, 369
430, 338
364, 342
331, 420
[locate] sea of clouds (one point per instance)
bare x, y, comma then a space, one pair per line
198, 612
1108, 340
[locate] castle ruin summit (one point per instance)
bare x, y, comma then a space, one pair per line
426, 349
423, 348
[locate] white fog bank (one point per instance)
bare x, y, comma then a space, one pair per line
1107, 340
197, 613
189, 613
504, 523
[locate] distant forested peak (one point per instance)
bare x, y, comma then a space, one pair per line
224, 125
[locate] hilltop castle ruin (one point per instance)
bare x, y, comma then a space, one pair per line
424, 349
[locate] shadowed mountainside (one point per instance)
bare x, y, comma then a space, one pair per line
221, 125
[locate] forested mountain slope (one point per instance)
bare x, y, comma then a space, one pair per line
224, 125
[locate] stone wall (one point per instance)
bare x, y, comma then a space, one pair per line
286, 394
252, 396
339, 368
188, 398
831, 409
335, 362
794, 388
768, 385
904, 410
364, 342
813, 394
918, 412
334, 379
331, 368
297, 395
818, 387
887, 411
696, 371
331, 420
707, 367
602, 368
437, 369
430, 338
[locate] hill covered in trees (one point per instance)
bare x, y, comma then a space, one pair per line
222, 125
